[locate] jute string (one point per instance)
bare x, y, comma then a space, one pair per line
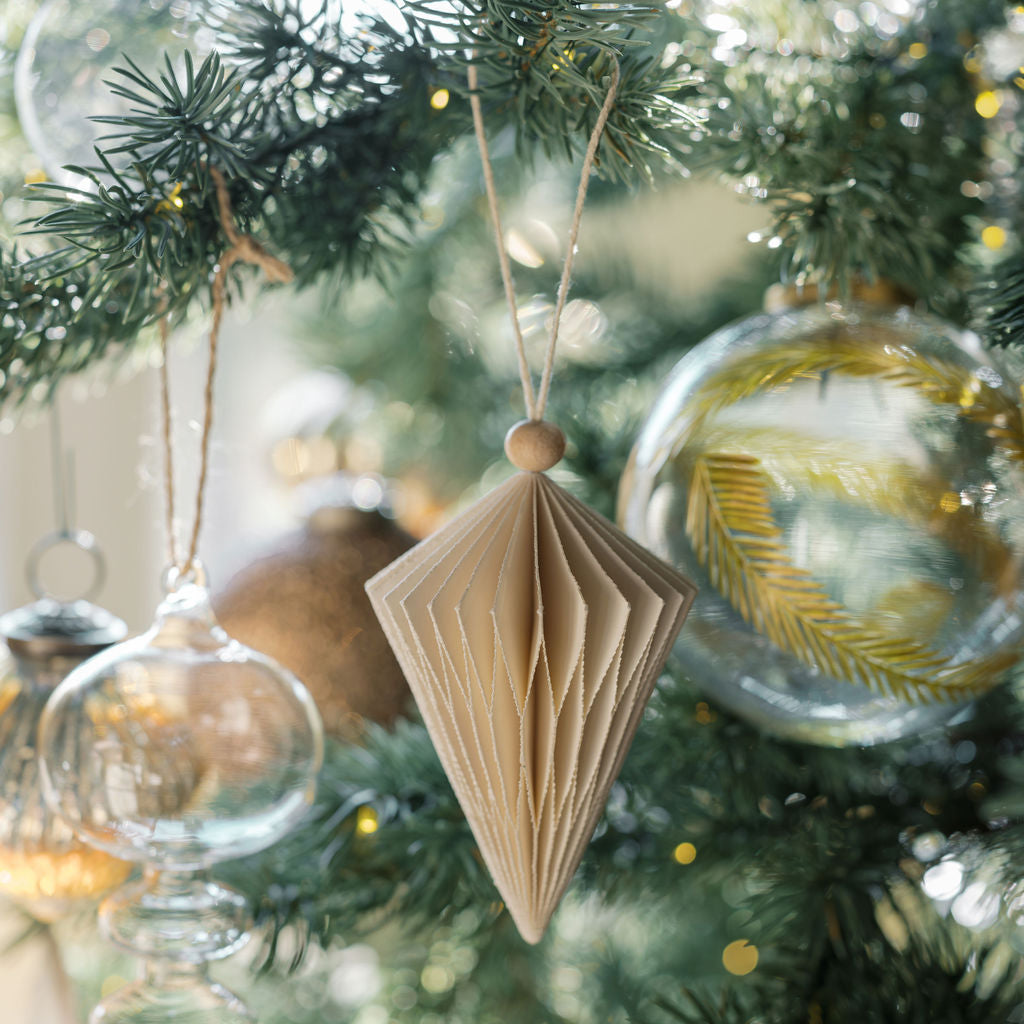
536, 402
245, 249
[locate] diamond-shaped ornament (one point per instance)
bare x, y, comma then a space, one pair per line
531, 631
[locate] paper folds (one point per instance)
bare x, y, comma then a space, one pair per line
531, 632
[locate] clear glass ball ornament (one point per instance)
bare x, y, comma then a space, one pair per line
44, 867
844, 484
68, 56
196, 750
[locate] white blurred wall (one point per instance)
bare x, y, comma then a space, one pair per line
112, 428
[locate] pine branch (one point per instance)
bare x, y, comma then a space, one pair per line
61, 318
931, 979
860, 154
328, 141
1000, 304
360, 876
734, 534
810, 828
147, 237
547, 65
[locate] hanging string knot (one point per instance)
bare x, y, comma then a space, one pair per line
244, 248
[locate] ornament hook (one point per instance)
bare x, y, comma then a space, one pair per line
62, 466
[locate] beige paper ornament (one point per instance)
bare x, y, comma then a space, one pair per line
531, 631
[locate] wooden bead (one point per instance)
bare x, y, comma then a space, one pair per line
534, 445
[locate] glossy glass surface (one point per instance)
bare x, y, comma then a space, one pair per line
167, 994
845, 487
68, 57
181, 747
177, 749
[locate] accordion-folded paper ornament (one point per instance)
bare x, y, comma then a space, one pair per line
531, 631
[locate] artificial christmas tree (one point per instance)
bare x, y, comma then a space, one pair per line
733, 877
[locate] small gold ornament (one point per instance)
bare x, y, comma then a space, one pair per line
44, 868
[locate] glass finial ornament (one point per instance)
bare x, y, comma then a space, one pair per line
181, 747
178, 749
844, 483
44, 867
531, 632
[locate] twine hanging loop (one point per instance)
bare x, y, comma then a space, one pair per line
536, 402
243, 249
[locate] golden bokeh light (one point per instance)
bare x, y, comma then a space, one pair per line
740, 957
704, 714
987, 103
685, 853
366, 821
993, 237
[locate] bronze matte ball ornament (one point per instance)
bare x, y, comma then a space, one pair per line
304, 605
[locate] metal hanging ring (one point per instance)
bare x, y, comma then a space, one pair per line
81, 539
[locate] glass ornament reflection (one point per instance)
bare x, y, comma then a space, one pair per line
198, 750
68, 57
844, 484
